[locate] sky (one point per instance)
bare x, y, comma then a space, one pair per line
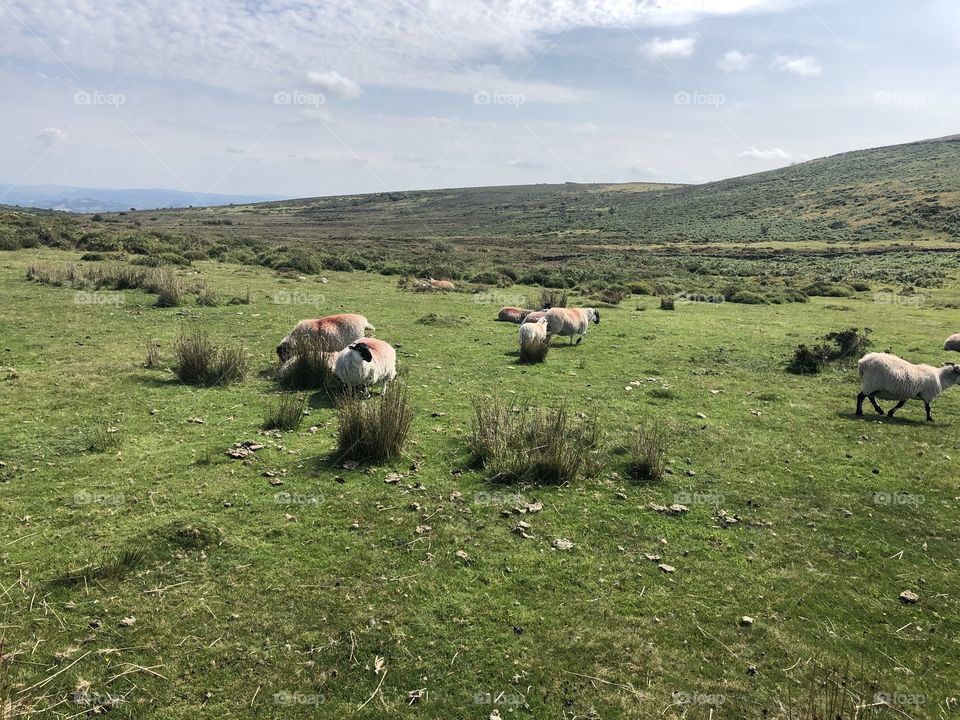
295, 98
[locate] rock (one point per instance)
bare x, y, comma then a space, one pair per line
462, 554
701, 416
522, 529
351, 465
392, 478
128, 621
653, 557
746, 620
908, 597
562, 544
423, 530
666, 568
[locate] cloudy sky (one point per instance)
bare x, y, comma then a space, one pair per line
298, 98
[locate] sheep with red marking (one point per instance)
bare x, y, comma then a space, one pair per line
534, 317
570, 322
332, 333
512, 314
365, 363
442, 285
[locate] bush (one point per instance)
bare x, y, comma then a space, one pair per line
667, 303
553, 298
646, 455
165, 284
308, 367
286, 413
374, 430
851, 344
808, 360
824, 288
533, 445
335, 263
747, 297
612, 295
200, 362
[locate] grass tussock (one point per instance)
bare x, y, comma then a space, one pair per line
115, 566
244, 299
550, 298
286, 413
668, 303
540, 446
374, 430
153, 358
207, 297
103, 438
308, 368
533, 353
198, 361
164, 283
646, 455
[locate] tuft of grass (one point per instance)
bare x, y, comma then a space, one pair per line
553, 298
153, 357
241, 299
849, 345
667, 303
198, 361
112, 567
541, 446
207, 297
374, 430
164, 283
103, 438
188, 535
286, 413
308, 368
646, 455
533, 353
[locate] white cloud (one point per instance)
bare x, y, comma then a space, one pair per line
806, 66
48, 137
769, 154
330, 81
678, 47
734, 61
525, 164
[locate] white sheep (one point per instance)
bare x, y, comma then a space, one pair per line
952, 343
331, 333
892, 378
571, 321
365, 363
534, 341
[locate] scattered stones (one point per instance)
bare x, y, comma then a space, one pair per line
562, 544
909, 597
196, 420
423, 530
724, 519
393, 478
522, 529
675, 509
244, 449
653, 557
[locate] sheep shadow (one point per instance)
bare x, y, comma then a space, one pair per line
876, 417
159, 382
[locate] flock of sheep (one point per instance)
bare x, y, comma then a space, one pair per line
361, 362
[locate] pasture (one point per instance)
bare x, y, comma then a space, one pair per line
338, 594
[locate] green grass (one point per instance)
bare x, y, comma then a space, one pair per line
248, 594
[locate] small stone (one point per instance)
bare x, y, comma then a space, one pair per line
128, 621
666, 568
746, 620
562, 544
908, 597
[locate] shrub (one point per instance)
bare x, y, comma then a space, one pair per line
646, 455
667, 303
533, 445
200, 362
824, 288
612, 295
851, 344
308, 368
747, 297
808, 360
374, 430
165, 284
206, 297
286, 413
553, 298
335, 263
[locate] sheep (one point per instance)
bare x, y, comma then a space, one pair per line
442, 285
571, 321
365, 363
952, 343
332, 333
534, 341
512, 314
534, 317
892, 378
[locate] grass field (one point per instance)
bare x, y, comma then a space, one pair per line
327, 597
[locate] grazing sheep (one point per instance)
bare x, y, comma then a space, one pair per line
365, 363
534, 317
512, 314
534, 341
892, 378
571, 321
332, 333
952, 343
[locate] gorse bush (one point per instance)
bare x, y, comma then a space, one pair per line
667, 303
374, 430
286, 413
533, 445
199, 362
848, 346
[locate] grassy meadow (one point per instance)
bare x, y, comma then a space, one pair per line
144, 573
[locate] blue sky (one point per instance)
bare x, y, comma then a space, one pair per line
302, 99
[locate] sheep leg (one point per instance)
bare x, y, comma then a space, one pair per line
926, 406
896, 407
876, 405
578, 339
860, 398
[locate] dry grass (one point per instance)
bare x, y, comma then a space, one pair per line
286, 413
374, 430
200, 362
646, 454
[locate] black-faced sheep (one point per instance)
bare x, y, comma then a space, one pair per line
571, 321
365, 363
892, 378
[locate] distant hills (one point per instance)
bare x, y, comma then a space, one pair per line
93, 200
